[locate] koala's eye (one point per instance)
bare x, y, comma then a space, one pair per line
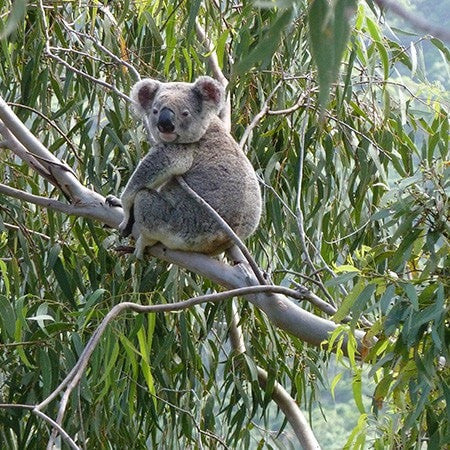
155, 111
185, 113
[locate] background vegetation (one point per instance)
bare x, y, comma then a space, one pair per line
355, 186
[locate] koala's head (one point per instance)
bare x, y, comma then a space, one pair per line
178, 112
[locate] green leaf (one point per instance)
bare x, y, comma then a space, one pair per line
334, 384
362, 300
63, 280
359, 429
265, 48
329, 30
46, 372
221, 45
411, 293
344, 309
4, 277
441, 46
384, 56
374, 30
346, 268
145, 340
7, 317
16, 15
193, 13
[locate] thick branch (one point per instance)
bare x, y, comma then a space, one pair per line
65, 177
283, 312
92, 206
414, 20
37, 200
18, 149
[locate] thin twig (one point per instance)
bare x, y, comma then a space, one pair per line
297, 105
25, 343
58, 428
27, 230
257, 118
44, 416
80, 53
52, 123
105, 50
48, 51
89, 77
308, 278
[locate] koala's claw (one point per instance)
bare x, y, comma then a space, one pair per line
125, 229
113, 201
124, 233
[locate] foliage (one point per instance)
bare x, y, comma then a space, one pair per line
356, 199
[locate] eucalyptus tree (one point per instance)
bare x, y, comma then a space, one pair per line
350, 262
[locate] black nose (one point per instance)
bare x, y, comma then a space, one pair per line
166, 121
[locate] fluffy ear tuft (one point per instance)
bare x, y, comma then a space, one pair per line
212, 92
143, 93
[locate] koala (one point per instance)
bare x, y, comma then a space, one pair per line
189, 140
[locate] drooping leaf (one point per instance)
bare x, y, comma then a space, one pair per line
329, 30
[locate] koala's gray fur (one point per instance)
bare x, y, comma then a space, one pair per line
190, 140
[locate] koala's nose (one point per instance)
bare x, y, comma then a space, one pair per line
166, 121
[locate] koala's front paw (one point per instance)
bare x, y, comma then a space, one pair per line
113, 202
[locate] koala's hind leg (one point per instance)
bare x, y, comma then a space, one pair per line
152, 217
141, 243
176, 221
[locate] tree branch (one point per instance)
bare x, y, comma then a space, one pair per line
225, 227
257, 118
38, 200
18, 149
280, 396
225, 114
73, 377
412, 19
84, 201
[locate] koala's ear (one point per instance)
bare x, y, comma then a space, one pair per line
143, 94
212, 92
